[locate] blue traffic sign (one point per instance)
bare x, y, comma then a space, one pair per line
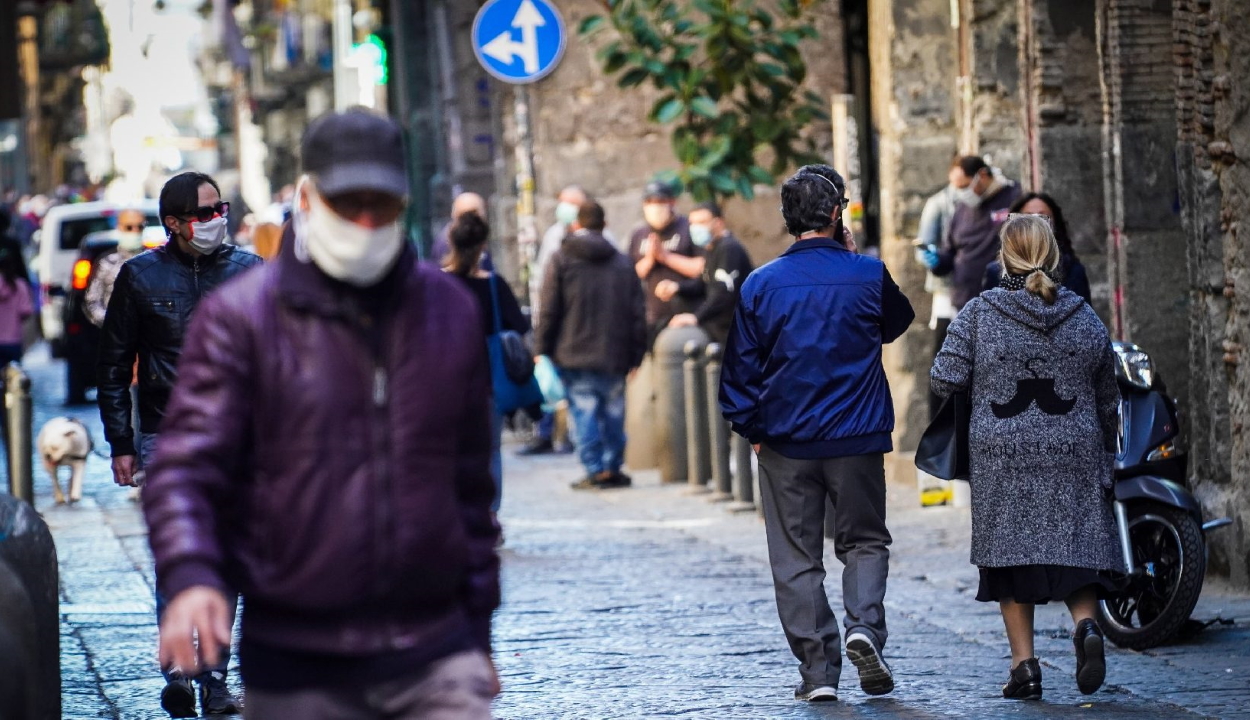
518, 41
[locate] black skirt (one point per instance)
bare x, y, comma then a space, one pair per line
1040, 584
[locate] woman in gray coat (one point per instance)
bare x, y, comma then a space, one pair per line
1038, 366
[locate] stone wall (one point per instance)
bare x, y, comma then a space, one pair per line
994, 127
1063, 98
915, 62
1147, 245
589, 132
1214, 135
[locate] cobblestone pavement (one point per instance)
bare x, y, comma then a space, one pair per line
650, 602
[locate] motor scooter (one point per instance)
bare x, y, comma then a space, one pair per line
1160, 524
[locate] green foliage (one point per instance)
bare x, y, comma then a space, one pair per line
729, 74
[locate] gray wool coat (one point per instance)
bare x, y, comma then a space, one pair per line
1043, 428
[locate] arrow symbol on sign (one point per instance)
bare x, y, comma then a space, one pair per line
505, 49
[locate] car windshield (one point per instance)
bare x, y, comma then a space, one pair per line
73, 231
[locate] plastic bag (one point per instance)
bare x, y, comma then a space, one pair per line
549, 383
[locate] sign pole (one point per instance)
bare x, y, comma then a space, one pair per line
527, 228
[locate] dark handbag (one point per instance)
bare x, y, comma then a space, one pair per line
943, 449
511, 365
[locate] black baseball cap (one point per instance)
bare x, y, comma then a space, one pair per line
659, 190
355, 150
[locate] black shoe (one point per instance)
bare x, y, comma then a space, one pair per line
874, 675
1025, 682
538, 446
1091, 660
616, 479
215, 697
178, 697
811, 692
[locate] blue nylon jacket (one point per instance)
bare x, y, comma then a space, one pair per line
802, 370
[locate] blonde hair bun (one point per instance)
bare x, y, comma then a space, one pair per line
1029, 249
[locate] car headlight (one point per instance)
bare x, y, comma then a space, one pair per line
1134, 366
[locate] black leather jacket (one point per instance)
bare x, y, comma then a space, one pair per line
148, 314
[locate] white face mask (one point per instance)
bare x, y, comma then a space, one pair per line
657, 215
207, 237
129, 242
342, 249
566, 213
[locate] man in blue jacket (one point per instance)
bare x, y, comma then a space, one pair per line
802, 380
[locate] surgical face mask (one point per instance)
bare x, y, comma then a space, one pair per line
657, 215
206, 237
968, 196
566, 213
129, 242
700, 235
342, 249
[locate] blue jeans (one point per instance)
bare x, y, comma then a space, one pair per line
547, 426
147, 449
597, 406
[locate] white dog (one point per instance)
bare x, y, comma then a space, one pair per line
64, 441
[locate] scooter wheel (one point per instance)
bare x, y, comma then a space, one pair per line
1169, 552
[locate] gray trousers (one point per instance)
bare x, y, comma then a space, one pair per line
455, 688
794, 495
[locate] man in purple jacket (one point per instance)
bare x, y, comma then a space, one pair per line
972, 243
326, 452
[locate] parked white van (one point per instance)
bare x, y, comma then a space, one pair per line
58, 241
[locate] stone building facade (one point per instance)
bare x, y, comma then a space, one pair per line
589, 132
1211, 54
1133, 114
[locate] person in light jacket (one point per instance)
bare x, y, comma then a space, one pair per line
1039, 368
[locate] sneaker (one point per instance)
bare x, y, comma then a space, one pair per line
538, 446
1091, 660
178, 697
874, 675
590, 482
215, 697
811, 692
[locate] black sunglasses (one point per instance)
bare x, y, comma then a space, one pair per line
208, 212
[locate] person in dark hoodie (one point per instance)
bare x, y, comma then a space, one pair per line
972, 242
592, 323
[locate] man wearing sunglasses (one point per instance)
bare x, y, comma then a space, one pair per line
151, 306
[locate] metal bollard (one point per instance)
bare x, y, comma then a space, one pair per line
744, 478
698, 456
30, 637
18, 419
668, 356
718, 429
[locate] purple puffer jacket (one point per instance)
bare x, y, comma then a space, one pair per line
332, 468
